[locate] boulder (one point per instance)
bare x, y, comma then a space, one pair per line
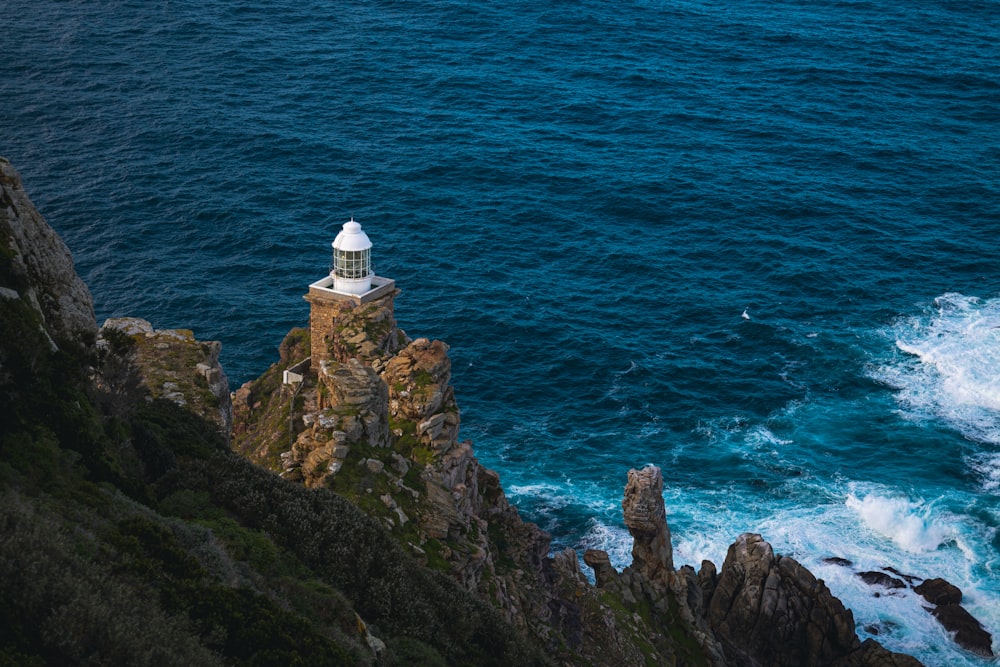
968, 632
938, 591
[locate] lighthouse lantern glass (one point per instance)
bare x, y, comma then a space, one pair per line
352, 263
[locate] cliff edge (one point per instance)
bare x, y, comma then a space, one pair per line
38, 267
133, 534
378, 423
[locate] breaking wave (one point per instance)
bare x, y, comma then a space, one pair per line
950, 371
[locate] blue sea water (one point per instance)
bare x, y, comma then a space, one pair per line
584, 199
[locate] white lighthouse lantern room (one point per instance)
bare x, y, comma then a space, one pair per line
351, 277
352, 260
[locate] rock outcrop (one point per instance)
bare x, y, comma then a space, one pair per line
646, 518
172, 364
38, 268
769, 609
968, 632
760, 609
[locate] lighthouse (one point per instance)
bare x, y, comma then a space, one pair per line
352, 260
351, 283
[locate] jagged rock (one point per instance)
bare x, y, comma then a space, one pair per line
604, 571
881, 579
41, 267
938, 591
646, 518
768, 609
836, 560
707, 580
969, 633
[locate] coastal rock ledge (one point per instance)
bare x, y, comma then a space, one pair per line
119, 489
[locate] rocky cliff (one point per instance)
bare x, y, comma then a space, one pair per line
38, 268
171, 364
134, 534
378, 423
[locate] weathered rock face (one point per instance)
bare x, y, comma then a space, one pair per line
419, 392
358, 397
350, 409
646, 518
768, 609
342, 330
174, 365
40, 268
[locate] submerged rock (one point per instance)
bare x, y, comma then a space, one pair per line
881, 579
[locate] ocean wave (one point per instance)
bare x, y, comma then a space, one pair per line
986, 467
910, 525
950, 371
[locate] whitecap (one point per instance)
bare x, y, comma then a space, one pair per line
910, 525
950, 371
615, 540
986, 467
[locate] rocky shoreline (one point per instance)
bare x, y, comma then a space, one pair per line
376, 424
382, 403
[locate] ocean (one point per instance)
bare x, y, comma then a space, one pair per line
754, 244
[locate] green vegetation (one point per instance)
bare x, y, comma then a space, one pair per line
271, 407
132, 535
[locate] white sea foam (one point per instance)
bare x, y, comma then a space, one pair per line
911, 525
872, 525
986, 467
615, 540
952, 371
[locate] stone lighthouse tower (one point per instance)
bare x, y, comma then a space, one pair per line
350, 285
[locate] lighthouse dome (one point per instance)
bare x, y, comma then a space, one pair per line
351, 237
